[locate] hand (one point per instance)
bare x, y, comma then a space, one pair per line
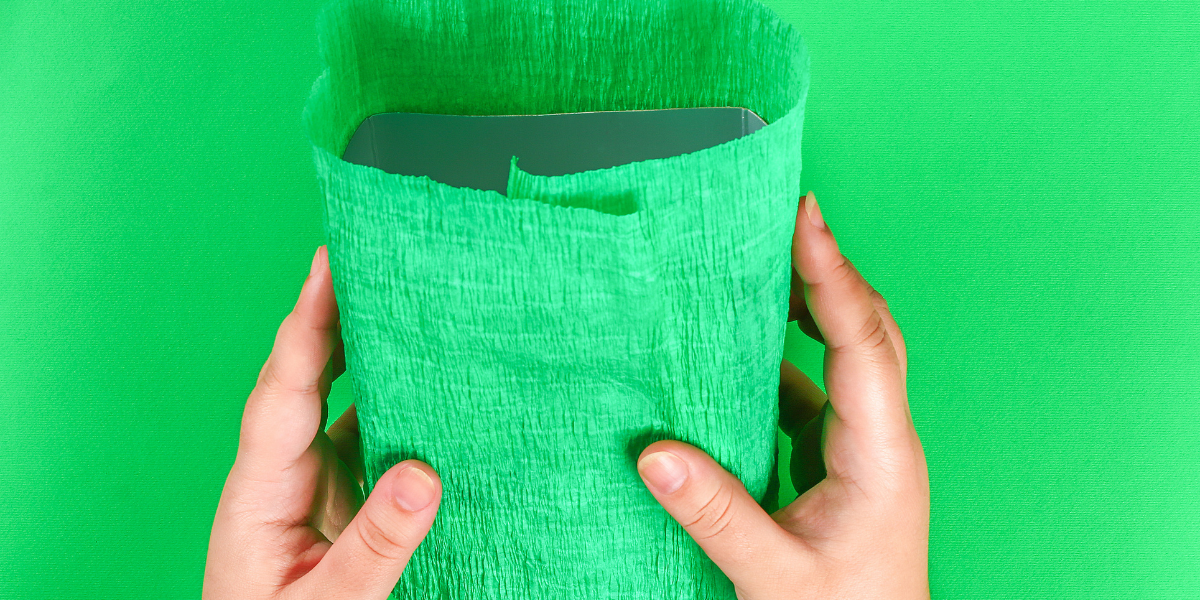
861, 530
291, 522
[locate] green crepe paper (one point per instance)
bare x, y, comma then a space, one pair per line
530, 345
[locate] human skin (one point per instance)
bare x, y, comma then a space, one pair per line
292, 523
861, 528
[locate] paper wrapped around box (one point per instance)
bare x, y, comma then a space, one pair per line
530, 345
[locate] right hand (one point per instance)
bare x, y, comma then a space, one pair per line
861, 530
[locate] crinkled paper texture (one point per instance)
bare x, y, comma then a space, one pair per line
529, 345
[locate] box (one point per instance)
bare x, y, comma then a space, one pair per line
475, 150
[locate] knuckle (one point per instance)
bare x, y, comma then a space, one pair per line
843, 271
274, 383
714, 516
878, 298
379, 541
874, 330
881, 305
873, 336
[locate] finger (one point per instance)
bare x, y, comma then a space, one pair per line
345, 436
333, 369
368, 558
798, 310
337, 497
894, 334
716, 511
286, 408
799, 399
807, 466
339, 352
862, 367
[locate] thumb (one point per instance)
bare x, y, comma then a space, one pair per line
369, 556
713, 506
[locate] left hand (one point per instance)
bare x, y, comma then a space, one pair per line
291, 522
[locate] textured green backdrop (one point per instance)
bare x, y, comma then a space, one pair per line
1019, 179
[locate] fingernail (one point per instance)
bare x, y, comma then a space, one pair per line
663, 470
414, 489
814, 211
316, 259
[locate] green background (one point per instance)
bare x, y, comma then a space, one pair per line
1019, 180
